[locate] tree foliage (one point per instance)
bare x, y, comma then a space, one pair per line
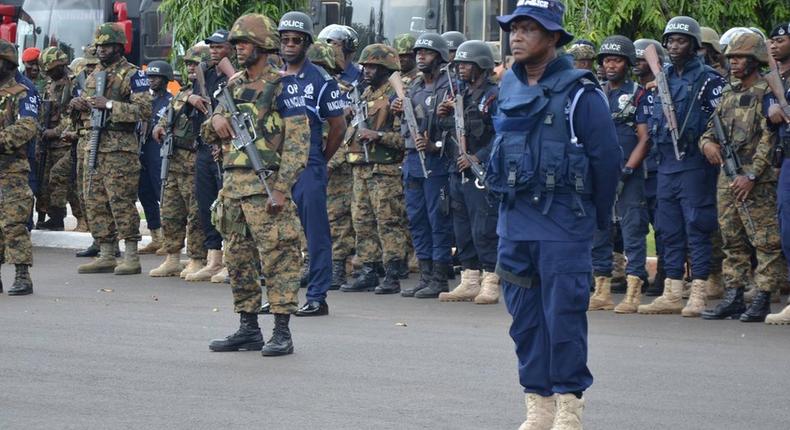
596, 19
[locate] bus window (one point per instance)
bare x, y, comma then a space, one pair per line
472, 15
493, 9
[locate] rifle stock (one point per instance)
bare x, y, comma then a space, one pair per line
667, 106
166, 151
460, 137
359, 121
200, 77
774, 79
408, 112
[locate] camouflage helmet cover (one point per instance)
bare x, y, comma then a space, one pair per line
748, 45
257, 29
379, 53
582, 51
109, 32
90, 54
8, 52
197, 54
711, 37
404, 43
77, 65
323, 54
52, 57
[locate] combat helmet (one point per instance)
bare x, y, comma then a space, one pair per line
52, 57
108, 33
379, 53
197, 54
8, 52
342, 33
404, 43
477, 52
160, 68
711, 37
454, 39
617, 45
748, 44
686, 26
730, 34
641, 44
323, 54
297, 21
257, 29
433, 42
581, 51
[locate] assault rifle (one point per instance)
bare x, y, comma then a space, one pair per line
201, 90
732, 163
460, 136
98, 120
667, 106
166, 151
360, 108
41, 165
244, 130
408, 113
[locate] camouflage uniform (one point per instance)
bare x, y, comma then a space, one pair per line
82, 130
240, 212
378, 205
18, 113
741, 115
61, 153
404, 44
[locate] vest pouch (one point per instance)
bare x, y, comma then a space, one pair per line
576, 170
511, 166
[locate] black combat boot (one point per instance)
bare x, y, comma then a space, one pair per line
338, 274
731, 306
403, 270
304, 277
367, 280
55, 221
248, 336
426, 274
91, 251
22, 283
1, 280
391, 284
441, 272
40, 220
757, 311
657, 287
380, 270
281, 342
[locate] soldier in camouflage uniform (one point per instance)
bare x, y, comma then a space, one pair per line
245, 216
746, 204
61, 152
404, 46
583, 53
179, 206
18, 126
111, 190
375, 154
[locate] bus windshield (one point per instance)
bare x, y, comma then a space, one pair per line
67, 24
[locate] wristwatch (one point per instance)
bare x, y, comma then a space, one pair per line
380, 134
750, 176
108, 105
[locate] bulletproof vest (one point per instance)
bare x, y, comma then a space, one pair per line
738, 112
622, 105
257, 98
424, 100
479, 130
185, 131
9, 97
535, 150
117, 75
379, 118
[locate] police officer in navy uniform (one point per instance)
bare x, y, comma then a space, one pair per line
686, 216
427, 197
552, 162
322, 99
159, 74
616, 57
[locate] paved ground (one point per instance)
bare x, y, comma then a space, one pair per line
74, 356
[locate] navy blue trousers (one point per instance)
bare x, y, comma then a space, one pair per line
783, 203
474, 224
207, 184
428, 210
309, 194
150, 183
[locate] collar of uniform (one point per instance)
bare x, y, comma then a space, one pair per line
300, 75
562, 62
380, 92
690, 67
114, 66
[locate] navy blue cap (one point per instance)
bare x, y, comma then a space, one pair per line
546, 12
782, 29
219, 36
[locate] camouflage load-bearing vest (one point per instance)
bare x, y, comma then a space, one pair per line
739, 112
185, 131
379, 118
8, 100
117, 75
258, 99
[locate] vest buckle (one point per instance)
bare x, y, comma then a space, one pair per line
550, 181
511, 175
579, 182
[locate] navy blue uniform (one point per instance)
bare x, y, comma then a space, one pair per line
631, 206
556, 190
643, 113
686, 215
783, 186
428, 199
323, 100
151, 166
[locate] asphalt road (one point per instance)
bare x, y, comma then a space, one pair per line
135, 355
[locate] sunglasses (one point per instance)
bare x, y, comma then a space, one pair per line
294, 40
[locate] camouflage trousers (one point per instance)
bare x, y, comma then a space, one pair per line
110, 196
741, 235
338, 206
61, 187
246, 226
16, 201
180, 213
377, 211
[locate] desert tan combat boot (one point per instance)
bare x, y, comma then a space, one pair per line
467, 290
220, 277
697, 302
212, 267
782, 318
104, 263
130, 265
714, 289
540, 412
193, 266
170, 267
670, 302
633, 296
489, 291
601, 299
569, 413
156, 242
